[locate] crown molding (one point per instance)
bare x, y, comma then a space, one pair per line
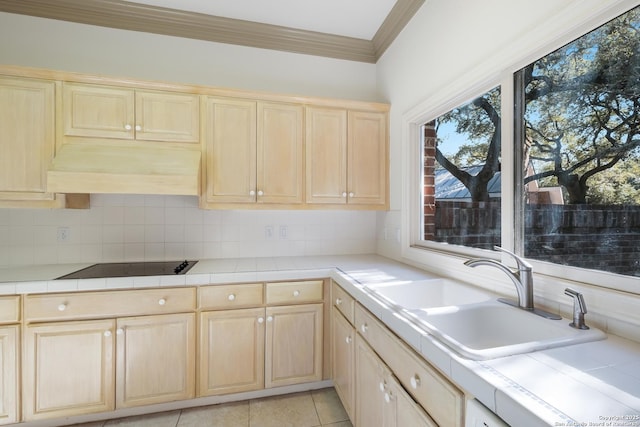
171, 22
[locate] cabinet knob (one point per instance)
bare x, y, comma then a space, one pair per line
296, 293
260, 319
260, 193
348, 340
415, 381
351, 194
138, 128
231, 297
364, 328
162, 301
338, 301
388, 397
269, 318
252, 193
107, 333
382, 386
119, 331
62, 307
344, 194
127, 127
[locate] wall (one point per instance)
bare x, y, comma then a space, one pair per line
137, 227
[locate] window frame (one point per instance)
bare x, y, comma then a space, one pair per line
414, 248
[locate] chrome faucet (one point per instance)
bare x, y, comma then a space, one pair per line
522, 278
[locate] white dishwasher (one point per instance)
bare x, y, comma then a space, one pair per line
478, 415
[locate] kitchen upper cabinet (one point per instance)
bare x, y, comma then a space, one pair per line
155, 359
253, 152
69, 369
92, 352
9, 359
346, 157
27, 139
96, 111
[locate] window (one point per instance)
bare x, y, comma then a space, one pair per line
461, 150
576, 160
580, 150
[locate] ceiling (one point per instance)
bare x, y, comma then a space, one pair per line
358, 30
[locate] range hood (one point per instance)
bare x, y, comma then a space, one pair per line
124, 168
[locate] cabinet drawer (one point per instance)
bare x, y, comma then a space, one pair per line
10, 309
93, 305
441, 399
343, 301
294, 292
231, 296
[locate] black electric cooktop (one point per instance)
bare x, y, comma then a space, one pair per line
126, 269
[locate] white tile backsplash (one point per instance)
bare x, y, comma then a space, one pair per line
142, 227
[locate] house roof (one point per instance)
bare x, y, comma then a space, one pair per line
450, 188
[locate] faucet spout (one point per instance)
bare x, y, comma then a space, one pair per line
520, 278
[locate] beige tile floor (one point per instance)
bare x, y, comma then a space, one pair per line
307, 409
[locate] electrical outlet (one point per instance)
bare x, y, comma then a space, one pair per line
64, 234
268, 232
284, 232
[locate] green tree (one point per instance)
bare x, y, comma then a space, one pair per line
582, 118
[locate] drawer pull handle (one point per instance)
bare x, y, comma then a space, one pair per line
364, 328
348, 340
162, 301
231, 297
260, 319
62, 307
338, 301
107, 333
296, 293
415, 381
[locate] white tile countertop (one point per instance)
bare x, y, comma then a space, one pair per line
591, 384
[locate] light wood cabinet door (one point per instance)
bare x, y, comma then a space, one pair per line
343, 357
68, 369
27, 138
367, 158
155, 359
230, 151
231, 350
369, 408
166, 116
326, 155
294, 341
97, 111
9, 374
408, 412
280, 153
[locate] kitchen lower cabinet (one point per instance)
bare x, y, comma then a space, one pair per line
249, 342
68, 369
155, 359
381, 400
293, 344
231, 351
89, 352
343, 357
9, 374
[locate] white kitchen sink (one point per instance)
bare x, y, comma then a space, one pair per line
425, 294
489, 330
